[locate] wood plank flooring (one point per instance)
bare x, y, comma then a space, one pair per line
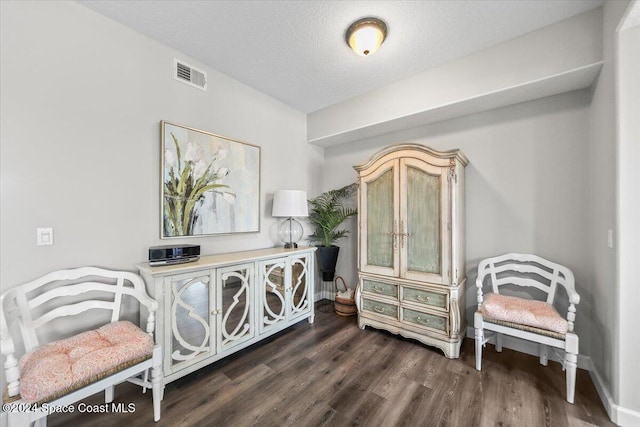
332, 373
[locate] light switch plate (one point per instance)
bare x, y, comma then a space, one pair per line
44, 236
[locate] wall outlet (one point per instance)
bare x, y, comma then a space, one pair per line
610, 239
44, 236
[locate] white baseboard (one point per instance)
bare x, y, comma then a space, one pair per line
324, 290
319, 296
618, 414
626, 417
603, 392
528, 347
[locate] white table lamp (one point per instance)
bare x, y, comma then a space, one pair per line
290, 204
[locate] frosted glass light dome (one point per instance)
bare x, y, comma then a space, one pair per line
366, 35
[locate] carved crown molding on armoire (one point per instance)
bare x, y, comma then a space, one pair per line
411, 244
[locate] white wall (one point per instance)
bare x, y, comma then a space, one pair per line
613, 367
526, 185
628, 213
602, 202
81, 102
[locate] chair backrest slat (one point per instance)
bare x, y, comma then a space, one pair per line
69, 291
72, 310
521, 281
524, 269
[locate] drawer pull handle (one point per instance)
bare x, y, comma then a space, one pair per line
421, 298
378, 309
377, 289
423, 321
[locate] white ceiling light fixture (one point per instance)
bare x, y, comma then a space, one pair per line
366, 35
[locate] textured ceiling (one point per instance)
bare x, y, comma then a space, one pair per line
295, 51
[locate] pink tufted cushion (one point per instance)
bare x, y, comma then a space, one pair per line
60, 367
537, 314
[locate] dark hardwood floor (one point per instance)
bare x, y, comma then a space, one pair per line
333, 374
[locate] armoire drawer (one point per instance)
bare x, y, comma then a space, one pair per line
381, 308
422, 296
380, 288
424, 319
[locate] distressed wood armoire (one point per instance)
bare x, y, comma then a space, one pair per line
411, 247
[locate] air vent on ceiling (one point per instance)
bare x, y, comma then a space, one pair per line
189, 75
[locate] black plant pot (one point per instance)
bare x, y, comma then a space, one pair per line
327, 259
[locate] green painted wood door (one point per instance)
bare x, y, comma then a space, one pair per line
378, 220
424, 209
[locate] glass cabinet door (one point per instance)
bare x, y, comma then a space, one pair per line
235, 313
423, 225
378, 220
189, 303
300, 301
273, 289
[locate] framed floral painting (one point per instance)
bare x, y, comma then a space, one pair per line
210, 184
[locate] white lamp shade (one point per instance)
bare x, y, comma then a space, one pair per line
290, 203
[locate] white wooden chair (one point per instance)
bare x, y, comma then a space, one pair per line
522, 316
59, 373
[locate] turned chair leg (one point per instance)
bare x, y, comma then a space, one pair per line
571, 363
479, 339
157, 383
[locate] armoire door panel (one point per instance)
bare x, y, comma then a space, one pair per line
424, 232
380, 225
379, 193
423, 222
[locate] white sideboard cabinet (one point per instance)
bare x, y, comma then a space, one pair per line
223, 303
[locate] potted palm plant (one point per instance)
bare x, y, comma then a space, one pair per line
326, 213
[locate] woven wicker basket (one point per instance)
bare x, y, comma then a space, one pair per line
344, 304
